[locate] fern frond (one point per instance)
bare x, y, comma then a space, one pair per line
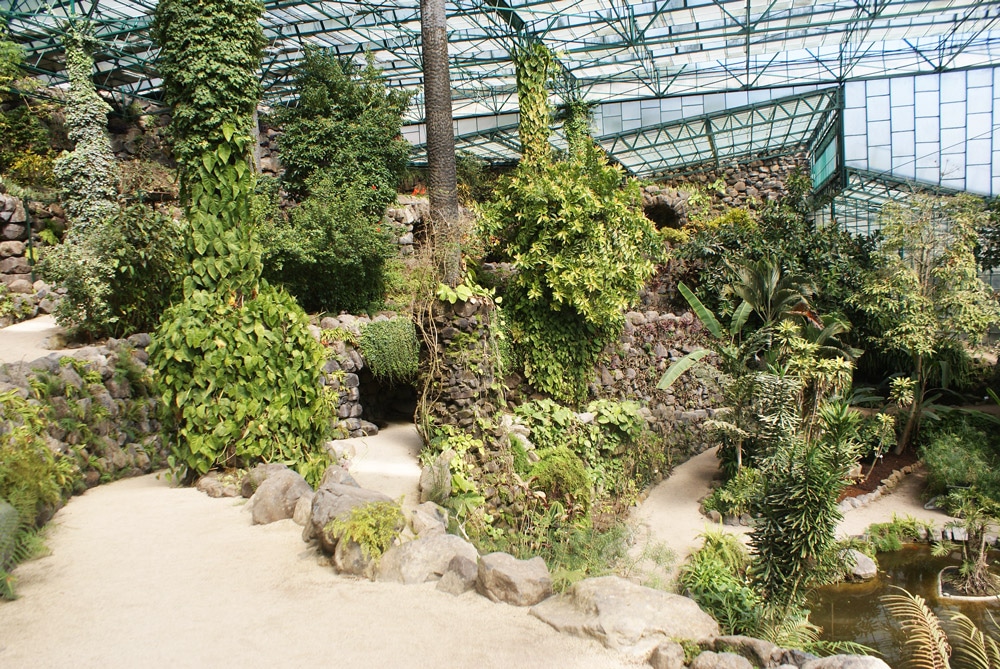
926, 642
972, 649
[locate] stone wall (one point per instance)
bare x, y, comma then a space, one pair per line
631, 368
99, 409
746, 185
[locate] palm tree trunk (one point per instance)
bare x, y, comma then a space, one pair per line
442, 187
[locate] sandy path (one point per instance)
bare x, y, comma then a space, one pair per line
24, 342
145, 575
387, 462
671, 515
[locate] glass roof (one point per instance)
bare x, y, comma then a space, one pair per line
608, 51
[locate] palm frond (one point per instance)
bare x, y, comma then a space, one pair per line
679, 367
972, 648
926, 642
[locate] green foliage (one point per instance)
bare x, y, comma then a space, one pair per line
88, 175
739, 495
373, 526
579, 243
391, 349
25, 155
533, 62
562, 476
33, 478
582, 249
344, 129
332, 254
239, 381
890, 536
794, 538
926, 290
717, 577
120, 274
962, 452
209, 55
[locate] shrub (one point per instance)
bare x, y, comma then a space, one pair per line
240, 382
33, 479
332, 254
120, 275
391, 349
345, 128
373, 526
739, 495
716, 576
959, 453
561, 475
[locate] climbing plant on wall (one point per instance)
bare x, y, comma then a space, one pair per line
88, 175
578, 240
235, 361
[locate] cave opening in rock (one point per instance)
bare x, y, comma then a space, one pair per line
383, 402
663, 216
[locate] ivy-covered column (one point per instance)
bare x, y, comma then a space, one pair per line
237, 366
88, 175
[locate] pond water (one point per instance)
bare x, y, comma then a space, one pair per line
854, 611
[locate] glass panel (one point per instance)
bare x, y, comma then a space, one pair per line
878, 108
927, 130
953, 114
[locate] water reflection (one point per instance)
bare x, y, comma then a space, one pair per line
854, 612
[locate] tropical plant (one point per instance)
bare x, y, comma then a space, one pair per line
926, 291
976, 516
717, 576
373, 526
579, 243
345, 128
930, 646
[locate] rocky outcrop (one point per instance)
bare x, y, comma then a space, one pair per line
335, 501
277, 497
504, 578
460, 576
625, 616
712, 660
862, 567
424, 559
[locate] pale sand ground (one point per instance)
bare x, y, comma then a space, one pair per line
24, 342
145, 575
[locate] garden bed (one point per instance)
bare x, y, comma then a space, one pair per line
884, 468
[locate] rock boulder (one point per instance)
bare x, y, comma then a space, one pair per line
276, 497
504, 578
625, 616
424, 559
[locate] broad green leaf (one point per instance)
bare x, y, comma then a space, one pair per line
679, 367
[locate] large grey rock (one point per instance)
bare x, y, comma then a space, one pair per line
335, 500
435, 479
712, 660
864, 568
350, 558
424, 559
625, 616
258, 475
760, 653
335, 474
846, 662
428, 518
277, 496
668, 655
303, 509
460, 576
504, 578
213, 486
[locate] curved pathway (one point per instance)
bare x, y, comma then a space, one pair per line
145, 575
